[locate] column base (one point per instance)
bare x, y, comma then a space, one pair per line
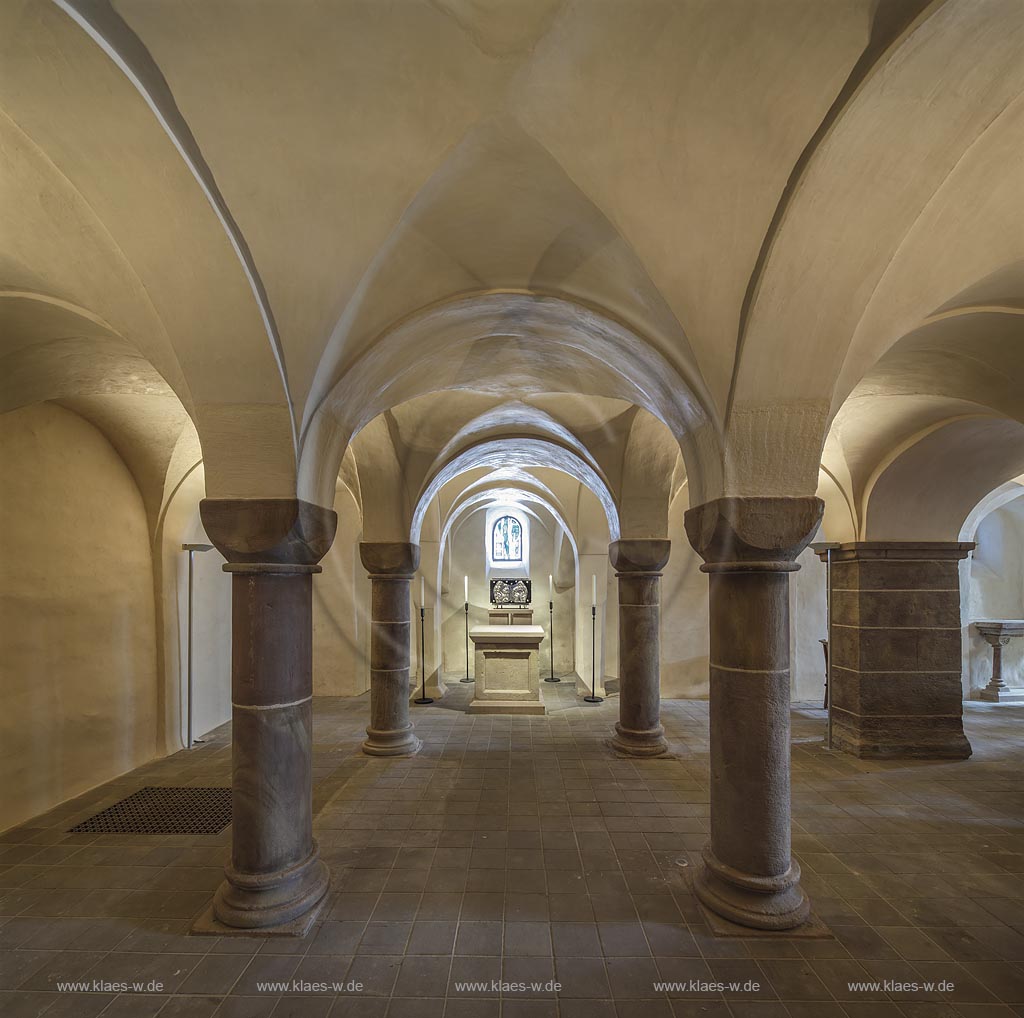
1003, 695
402, 742
523, 707
285, 903
900, 737
435, 690
646, 742
762, 903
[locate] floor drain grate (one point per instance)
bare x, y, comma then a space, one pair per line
155, 810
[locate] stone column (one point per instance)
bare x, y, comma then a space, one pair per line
391, 565
896, 649
276, 882
638, 565
749, 546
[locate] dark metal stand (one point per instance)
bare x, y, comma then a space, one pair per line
824, 647
423, 658
828, 646
593, 698
467, 678
551, 637
826, 548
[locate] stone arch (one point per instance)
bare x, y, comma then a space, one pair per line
535, 344
906, 251
512, 489
518, 453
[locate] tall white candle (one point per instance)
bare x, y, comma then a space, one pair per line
551, 588
593, 590
423, 592
465, 584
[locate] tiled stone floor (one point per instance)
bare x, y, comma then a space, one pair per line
522, 850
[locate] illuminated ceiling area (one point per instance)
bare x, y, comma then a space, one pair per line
173, 209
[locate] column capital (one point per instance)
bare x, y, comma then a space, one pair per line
639, 555
740, 534
927, 551
397, 559
269, 534
999, 632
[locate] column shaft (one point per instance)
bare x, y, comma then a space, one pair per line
275, 874
638, 565
996, 682
391, 567
749, 717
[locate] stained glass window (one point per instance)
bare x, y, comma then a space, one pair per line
507, 540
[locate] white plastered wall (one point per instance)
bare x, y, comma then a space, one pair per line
684, 620
808, 622
684, 615
341, 602
211, 620
77, 615
993, 588
341, 610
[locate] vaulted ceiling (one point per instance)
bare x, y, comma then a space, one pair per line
744, 219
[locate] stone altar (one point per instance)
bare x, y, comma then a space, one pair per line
507, 670
510, 617
997, 633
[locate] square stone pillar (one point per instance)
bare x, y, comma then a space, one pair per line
895, 649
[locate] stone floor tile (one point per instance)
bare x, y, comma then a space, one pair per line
472, 1007
423, 975
192, 1007
416, 1007
247, 1007
633, 977
467, 970
582, 977
264, 969
29, 1004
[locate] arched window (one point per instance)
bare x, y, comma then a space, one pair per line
507, 540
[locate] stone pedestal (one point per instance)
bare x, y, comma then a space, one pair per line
749, 545
390, 565
276, 882
507, 670
895, 650
638, 565
510, 617
997, 633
